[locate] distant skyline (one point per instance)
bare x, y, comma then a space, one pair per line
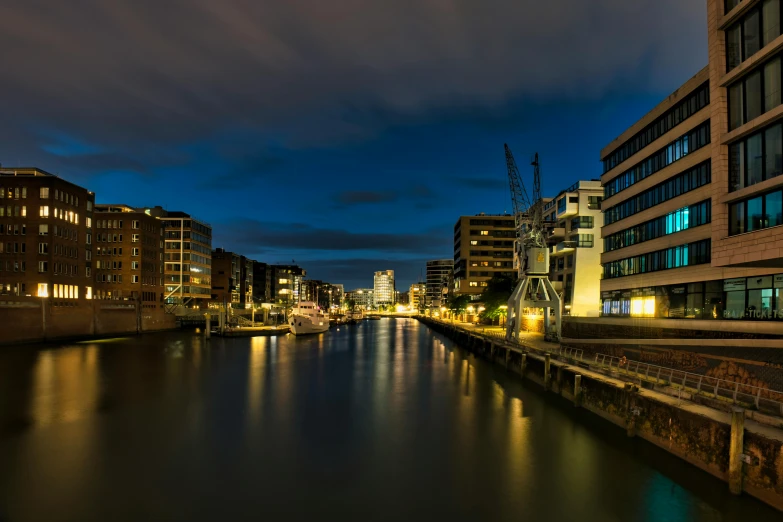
347, 136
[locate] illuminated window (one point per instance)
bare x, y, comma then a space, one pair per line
43, 211
474, 243
88, 292
473, 283
484, 232
43, 290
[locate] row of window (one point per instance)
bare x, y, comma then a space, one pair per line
748, 35
492, 222
756, 93
756, 213
60, 195
59, 213
15, 266
194, 247
496, 244
13, 230
13, 193
187, 224
13, 211
685, 255
582, 240
490, 253
678, 185
679, 148
696, 101
682, 219
756, 158
582, 222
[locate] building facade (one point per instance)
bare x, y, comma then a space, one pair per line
440, 279
417, 296
262, 283
46, 237
483, 247
384, 289
187, 258
226, 277
574, 222
363, 298
128, 255
286, 282
693, 191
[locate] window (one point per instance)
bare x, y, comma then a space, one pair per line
582, 222
88, 222
484, 233
473, 283
679, 148
43, 289
43, 266
135, 224
89, 205
675, 257
689, 106
134, 265
134, 238
88, 290
679, 220
756, 213
594, 202
755, 94
44, 193
43, 211
561, 205
757, 158
43, 248
134, 279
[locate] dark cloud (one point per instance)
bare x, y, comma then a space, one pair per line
314, 72
360, 197
481, 183
243, 171
257, 236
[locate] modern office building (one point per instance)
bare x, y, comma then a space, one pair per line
187, 258
227, 269
384, 289
417, 296
325, 294
440, 279
693, 192
483, 247
574, 221
46, 237
128, 255
363, 298
286, 283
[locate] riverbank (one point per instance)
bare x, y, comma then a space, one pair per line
744, 453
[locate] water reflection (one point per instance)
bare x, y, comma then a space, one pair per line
380, 421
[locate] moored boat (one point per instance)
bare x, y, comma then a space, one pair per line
307, 318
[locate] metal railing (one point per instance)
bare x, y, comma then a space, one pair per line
733, 391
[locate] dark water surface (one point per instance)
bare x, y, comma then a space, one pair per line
381, 421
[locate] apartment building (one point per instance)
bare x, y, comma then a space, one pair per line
45, 237
262, 283
286, 283
573, 222
417, 296
128, 255
483, 247
226, 277
440, 279
187, 258
385, 292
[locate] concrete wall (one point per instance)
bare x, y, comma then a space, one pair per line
35, 320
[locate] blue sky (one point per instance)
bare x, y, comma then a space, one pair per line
345, 135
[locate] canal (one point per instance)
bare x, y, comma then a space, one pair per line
384, 420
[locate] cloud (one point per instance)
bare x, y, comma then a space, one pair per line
481, 183
351, 197
316, 73
247, 235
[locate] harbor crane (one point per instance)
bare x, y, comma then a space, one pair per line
531, 254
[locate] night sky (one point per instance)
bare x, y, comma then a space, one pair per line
347, 135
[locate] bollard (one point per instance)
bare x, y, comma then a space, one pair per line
547, 374
736, 448
524, 363
577, 390
208, 330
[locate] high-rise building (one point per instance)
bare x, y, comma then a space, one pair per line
362, 298
384, 289
46, 237
483, 247
128, 255
262, 283
417, 296
187, 258
226, 278
440, 279
574, 221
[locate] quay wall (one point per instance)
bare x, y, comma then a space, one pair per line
695, 433
38, 320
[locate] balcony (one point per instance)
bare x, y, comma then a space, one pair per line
566, 207
557, 233
562, 248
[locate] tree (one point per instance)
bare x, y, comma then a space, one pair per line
458, 303
496, 294
350, 303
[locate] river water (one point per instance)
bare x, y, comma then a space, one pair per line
385, 420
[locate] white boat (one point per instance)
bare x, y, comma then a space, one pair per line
307, 318
355, 315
